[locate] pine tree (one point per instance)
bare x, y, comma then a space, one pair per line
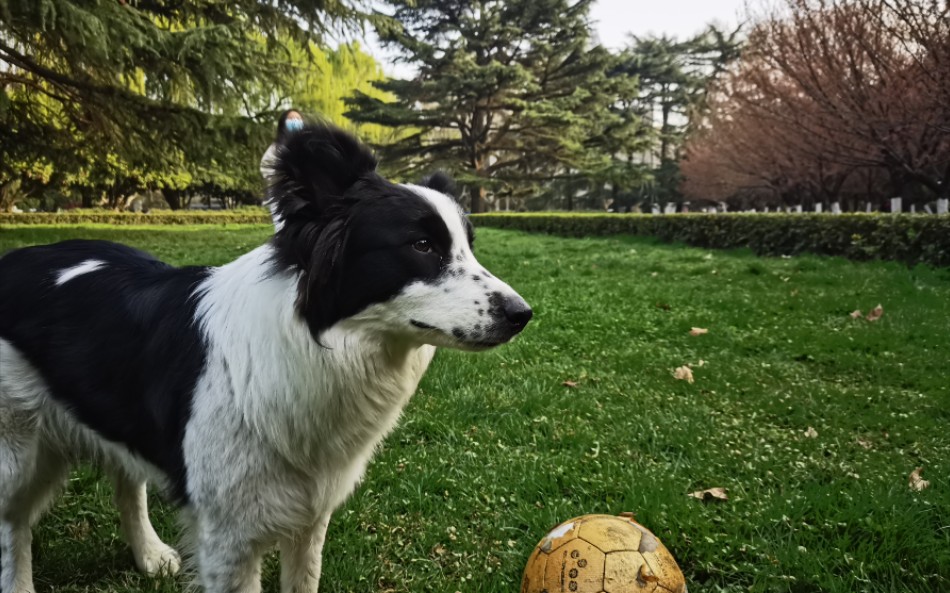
156, 84
508, 96
674, 80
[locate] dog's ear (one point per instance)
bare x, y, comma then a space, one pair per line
440, 181
314, 172
314, 168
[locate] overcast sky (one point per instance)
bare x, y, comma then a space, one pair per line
614, 20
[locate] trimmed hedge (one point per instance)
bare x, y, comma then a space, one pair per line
162, 217
907, 238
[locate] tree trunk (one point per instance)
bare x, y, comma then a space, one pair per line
173, 197
898, 189
477, 198
665, 108
479, 164
87, 197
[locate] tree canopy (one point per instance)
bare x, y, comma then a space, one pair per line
675, 76
96, 91
509, 96
833, 102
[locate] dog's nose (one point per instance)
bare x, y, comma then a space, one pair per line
517, 312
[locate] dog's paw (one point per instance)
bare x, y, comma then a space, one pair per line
158, 560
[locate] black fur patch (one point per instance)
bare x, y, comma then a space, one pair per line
117, 346
440, 181
351, 233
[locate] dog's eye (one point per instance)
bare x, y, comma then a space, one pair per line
423, 246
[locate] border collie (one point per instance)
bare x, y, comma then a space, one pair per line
254, 393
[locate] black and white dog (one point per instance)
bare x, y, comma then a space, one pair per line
255, 392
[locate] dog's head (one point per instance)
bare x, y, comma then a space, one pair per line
395, 258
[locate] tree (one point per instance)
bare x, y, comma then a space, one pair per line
508, 95
674, 80
326, 78
157, 85
845, 97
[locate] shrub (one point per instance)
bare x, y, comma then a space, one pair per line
906, 238
240, 216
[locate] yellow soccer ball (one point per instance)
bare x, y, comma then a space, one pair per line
602, 554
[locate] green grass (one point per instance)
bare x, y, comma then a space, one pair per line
494, 450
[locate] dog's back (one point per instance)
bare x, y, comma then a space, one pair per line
111, 331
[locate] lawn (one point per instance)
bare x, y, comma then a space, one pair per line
811, 420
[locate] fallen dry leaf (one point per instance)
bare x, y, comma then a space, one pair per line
701, 363
875, 314
710, 494
570, 384
857, 314
864, 443
698, 331
916, 482
664, 306
684, 373
811, 433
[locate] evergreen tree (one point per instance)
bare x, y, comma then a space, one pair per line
98, 87
675, 77
509, 95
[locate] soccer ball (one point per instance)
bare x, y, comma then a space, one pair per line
602, 554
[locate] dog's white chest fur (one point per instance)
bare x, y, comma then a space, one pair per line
303, 417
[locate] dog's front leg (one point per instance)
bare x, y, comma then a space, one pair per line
227, 561
301, 559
